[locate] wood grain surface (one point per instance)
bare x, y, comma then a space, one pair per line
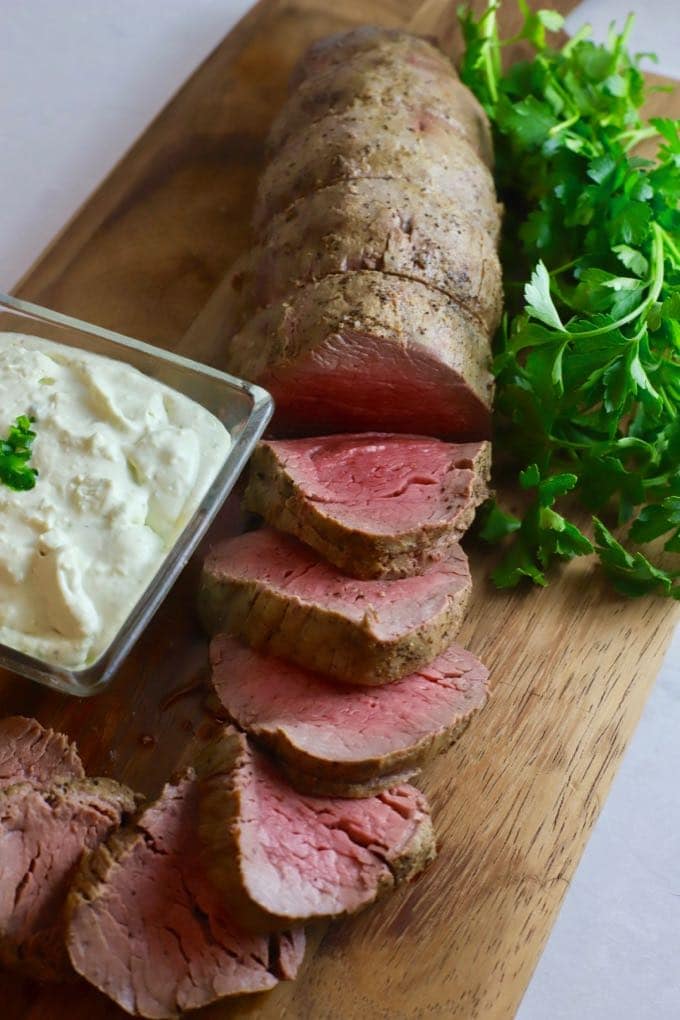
515, 800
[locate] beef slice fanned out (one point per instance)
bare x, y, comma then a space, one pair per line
384, 225
280, 597
369, 352
43, 834
147, 927
374, 504
282, 857
340, 740
409, 144
32, 754
336, 51
381, 78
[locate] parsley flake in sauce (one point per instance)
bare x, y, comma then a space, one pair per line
15, 453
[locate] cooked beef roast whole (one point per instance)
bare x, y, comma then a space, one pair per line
148, 928
382, 79
369, 351
374, 504
31, 754
340, 740
372, 224
375, 287
410, 144
282, 598
43, 833
282, 857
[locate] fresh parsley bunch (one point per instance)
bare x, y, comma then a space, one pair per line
15, 452
588, 357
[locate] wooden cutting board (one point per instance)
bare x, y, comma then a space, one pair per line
515, 800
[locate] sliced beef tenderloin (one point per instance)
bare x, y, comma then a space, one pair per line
381, 78
342, 740
336, 51
409, 144
282, 857
43, 833
390, 226
369, 352
281, 597
374, 504
147, 927
32, 754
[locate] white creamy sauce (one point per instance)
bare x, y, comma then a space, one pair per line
123, 463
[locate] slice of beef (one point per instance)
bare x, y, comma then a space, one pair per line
43, 833
148, 928
406, 143
374, 504
336, 51
281, 597
369, 352
282, 857
342, 740
381, 78
385, 225
32, 754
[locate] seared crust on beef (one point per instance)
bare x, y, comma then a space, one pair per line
390, 226
148, 928
368, 351
381, 78
43, 834
342, 47
282, 598
333, 739
340, 511
412, 145
282, 858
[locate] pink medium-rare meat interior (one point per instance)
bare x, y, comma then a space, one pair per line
286, 565
394, 482
345, 723
357, 382
309, 857
29, 753
155, 935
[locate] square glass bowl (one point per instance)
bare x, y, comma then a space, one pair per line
243, 409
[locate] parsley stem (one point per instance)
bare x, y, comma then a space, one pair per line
563, 125
491, 52
634, 136
671, 246
655, 283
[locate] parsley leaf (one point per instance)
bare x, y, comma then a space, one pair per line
587, 361
15, 452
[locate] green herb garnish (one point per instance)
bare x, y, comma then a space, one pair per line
15, 452
588, 357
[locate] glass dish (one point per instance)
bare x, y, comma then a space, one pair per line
243, 408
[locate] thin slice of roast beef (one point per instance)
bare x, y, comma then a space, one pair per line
410, 144
281, 597
32, 754
282, 857
381, 78
384, 225
367, 351
342, 740
374, 504
148, 929
43, 833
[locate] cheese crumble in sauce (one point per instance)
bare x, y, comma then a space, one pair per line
123, 463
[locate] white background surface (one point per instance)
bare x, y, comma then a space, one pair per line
79, 80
